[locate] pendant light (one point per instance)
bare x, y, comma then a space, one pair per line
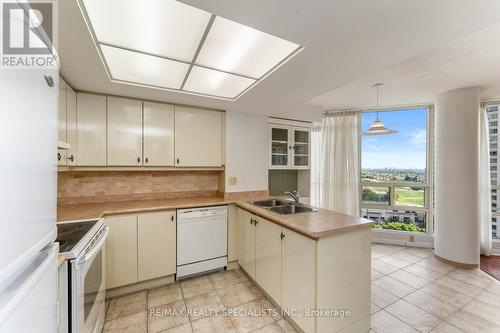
378, 127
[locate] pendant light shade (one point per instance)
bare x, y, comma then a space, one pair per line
378, 127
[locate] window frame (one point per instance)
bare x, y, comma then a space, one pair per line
428, 186
494, 213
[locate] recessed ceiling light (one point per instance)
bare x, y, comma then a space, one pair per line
135, 67
236, 48
211, 82
170, 45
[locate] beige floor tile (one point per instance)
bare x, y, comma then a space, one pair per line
489, 298
167, 316
423, 272
414, 316
409, 278
483, 310
286, 326
472, 323
384, 322
419, 252
271, 328
204, 305
196, 286
134, 323
164, 295
470, 277
436, 304
445, 327
239, 294
126, 305
494, 287
381, 297
251, 316
395, 261
374, 308
226, 279
376, 275
435, 265
214, 324
403, 255
458, 286
396, 287
383, 267
186, 328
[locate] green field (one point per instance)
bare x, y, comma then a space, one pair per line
405, 196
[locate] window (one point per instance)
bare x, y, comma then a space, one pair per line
395, 178
492, 111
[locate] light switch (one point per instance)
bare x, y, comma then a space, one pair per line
232, 180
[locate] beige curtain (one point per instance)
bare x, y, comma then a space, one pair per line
335, 174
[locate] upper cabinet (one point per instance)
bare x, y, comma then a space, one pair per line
158, 134
62, 154
71, 125
198, 137
91, 129
124, 133
290, 147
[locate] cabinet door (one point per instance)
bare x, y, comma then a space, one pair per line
158, 134
232, 233
247, 258
300, 148
156, 245
198, 137
280, 147
71, 124
268, 258
124, 131
121, 251
91, 129
298, 278
62, 154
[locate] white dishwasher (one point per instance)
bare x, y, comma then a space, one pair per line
201, 240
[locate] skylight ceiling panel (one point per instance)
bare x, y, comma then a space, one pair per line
162, 27
141, 68
236, 48
211, 82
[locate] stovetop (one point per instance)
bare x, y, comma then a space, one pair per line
69, 234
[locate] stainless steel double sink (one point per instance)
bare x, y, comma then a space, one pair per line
283, 207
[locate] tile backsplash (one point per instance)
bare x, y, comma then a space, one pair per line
105, 186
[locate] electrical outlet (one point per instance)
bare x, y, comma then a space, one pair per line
412, 239
232, 180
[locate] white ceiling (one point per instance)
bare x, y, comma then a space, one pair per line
418, 48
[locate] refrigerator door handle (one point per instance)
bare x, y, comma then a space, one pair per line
24, 287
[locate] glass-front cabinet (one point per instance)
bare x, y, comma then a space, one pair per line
289, 147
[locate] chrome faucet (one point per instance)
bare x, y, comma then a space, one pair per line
295, 195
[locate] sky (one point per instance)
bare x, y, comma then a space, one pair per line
403, 150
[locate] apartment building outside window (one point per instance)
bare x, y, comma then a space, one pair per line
492, 111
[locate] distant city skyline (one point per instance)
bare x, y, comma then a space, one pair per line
406, 149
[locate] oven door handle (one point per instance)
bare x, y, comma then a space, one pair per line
97, 246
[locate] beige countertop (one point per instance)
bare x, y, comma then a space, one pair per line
314, 225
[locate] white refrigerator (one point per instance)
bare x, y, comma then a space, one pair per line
28, 171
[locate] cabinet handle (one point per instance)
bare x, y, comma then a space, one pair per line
255, 222
50, 80
282, 235
252, 221
71, 158
290, 147
172, 218
146, 160
58, 156
138, 160
177, 160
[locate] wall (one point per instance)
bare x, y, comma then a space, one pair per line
456, 236
103, 186
247, 151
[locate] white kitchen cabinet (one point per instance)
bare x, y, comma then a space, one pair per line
198, 137
289, 147
91, 129
232, 232
121, 251
71, 135
62, 154
158, 135
124, 132
156, 244
247, 240
268, 257
298, 277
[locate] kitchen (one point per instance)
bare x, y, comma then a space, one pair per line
217, 167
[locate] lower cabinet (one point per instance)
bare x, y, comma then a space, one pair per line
156, 239
268, 257
247, 241
140, 247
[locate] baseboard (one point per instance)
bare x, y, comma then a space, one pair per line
404, 239
132, 288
